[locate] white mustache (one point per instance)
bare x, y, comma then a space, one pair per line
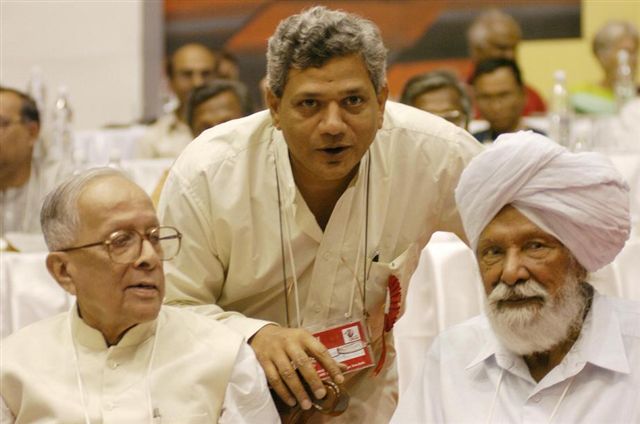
530, 288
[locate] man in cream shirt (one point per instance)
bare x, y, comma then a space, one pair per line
549, 348
331, 183
24, 182
117, 356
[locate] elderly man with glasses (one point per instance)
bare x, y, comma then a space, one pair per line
118, 355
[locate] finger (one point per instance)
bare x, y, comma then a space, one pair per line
276, 383
306, 367
290, 378
320, 352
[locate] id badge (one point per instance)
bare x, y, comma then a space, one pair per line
347, 343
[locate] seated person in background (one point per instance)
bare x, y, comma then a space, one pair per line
211, 104
190, 66
495, 34
118, 355
608, 41
23, 182
499, 96
228, 67
440, 93
549, 347
217, 102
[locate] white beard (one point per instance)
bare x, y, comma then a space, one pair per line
534, 328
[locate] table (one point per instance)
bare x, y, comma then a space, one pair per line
446, 289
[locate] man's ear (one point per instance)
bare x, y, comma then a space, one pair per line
382, 101
34, 130
58, 266
273, 102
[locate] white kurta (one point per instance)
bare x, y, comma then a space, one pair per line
200, 370
459, 379
165, 138
20, 206
222, 194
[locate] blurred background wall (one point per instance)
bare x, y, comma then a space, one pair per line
110, 53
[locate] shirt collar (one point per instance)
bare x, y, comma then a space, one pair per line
491, 347
92, 338
600, 341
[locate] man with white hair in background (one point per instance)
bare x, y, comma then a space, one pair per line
614, 38
549, 347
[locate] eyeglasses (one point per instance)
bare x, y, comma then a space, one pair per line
454, 116
125, 246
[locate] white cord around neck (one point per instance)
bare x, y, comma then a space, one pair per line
555, 408
83, 400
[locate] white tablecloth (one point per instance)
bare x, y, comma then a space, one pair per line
446, 289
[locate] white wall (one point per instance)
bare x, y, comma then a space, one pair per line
108, 54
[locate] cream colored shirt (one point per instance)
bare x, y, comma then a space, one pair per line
166, 138
222, 194
20, 206
200, 372
599, 376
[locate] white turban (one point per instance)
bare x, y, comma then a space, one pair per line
579, 198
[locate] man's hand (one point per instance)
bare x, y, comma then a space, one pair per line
283, 350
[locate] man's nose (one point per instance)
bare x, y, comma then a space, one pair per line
332, 120
149, 257
198, 79
514, 269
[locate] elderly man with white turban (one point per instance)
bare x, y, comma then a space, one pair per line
549, 347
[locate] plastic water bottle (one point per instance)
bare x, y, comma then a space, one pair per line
624, 87
38, 92
62, 148
560, 114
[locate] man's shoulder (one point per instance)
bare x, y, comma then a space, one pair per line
464, 338
628, 313
225, 142
199, 328
410, 128
34, 338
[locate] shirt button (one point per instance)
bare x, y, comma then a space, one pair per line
326, 255
113, 365
536, 398
110, 406
317, 308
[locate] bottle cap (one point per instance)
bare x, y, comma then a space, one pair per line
560, 75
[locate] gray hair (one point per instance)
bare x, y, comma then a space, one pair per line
435, 80
59, 217
610, 33
316, 35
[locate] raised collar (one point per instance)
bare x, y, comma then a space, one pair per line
93, 339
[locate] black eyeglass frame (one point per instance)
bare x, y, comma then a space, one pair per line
107, 243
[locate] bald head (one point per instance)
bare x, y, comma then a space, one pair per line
612, 38
493, 34
190, 66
